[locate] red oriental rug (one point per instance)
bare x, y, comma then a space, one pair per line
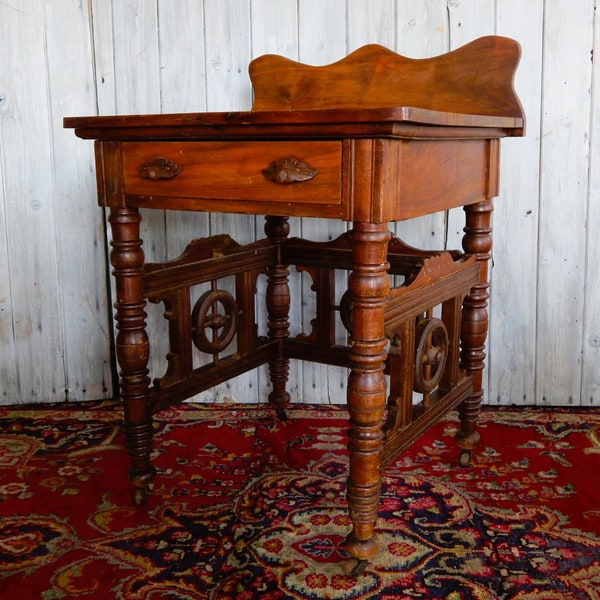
245, 506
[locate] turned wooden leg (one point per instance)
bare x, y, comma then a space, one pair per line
474, 325
127, 259
278, 309
369, 286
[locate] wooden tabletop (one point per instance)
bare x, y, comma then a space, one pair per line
404, 121
372, 92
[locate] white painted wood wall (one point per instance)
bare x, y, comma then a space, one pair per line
65, 57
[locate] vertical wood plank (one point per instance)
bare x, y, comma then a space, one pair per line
422, 28
590, 381
35, 372
82, 266
228, 52
136, 73
127, 47
274, 28
182, 89
511, 363
9, 374
9, 391
422, 32
467, 21
275, 31
322, 40
181, 56
103, 60
564, 190
371, 22
322, 27
136, 62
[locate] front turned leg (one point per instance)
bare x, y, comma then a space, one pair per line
127, 259
369, 286
474, 326
278, 308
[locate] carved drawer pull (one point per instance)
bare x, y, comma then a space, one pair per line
159, 167
289, 170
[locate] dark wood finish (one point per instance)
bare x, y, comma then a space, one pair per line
477, 242
278, 308
225, 170
373, 138
475, 79
132, 347
369, 286
215, 312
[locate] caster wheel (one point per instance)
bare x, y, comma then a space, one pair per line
140, 496
281, 414
354, 567
464, 459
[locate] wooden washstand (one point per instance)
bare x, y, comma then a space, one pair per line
372, 139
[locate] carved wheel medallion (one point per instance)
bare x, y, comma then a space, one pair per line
214, 321
430, 355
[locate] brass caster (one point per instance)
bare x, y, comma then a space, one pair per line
281, 414
354, 567
464, 459
140, 496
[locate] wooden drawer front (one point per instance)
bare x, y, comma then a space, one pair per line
234, 170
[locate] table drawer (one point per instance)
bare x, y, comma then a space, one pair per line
278, 172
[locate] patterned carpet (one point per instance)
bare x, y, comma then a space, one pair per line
245, 507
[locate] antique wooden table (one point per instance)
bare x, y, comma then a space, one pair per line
372, 139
